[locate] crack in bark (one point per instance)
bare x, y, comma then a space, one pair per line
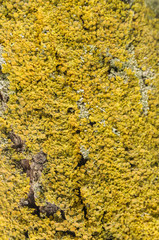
18, 143
50, 209
4, 97
67, 232
34, 171
26, 234
82, 161
84, 209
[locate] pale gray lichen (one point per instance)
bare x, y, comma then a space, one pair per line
142, 75
103, 122
115, 131
4, 84
114, 71
83, 110
2, 61
84, 152
154, 5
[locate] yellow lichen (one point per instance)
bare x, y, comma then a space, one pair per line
70, 98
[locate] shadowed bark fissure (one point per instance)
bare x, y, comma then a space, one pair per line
33, 171
84, 209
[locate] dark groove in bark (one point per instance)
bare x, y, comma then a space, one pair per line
34, 171
18, 143
84, 209
82, 161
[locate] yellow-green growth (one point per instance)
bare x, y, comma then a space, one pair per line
76, 91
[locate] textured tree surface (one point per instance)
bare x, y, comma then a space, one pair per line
78, 84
